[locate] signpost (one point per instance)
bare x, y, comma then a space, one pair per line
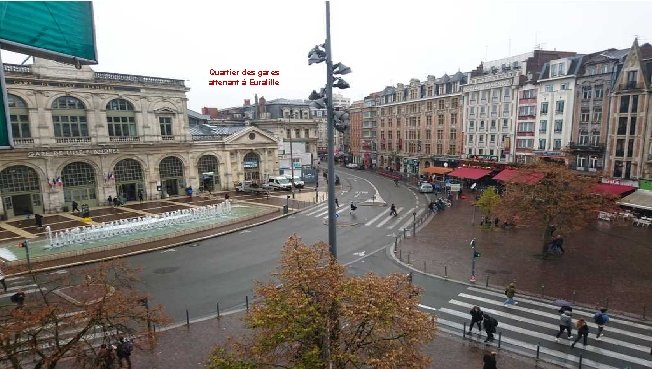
57, 30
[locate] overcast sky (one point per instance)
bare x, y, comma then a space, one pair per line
383, 42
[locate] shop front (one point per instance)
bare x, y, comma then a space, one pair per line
20, 190
171, 174
129, 180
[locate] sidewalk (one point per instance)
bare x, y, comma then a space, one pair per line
606, 264
189, 347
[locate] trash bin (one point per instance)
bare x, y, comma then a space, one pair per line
285, 209
85, 211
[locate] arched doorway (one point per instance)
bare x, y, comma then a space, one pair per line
251, 164
171, 173
21, 192
207, 168
129, 179
79, 184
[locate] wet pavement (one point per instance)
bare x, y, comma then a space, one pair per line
189, 347
606, 264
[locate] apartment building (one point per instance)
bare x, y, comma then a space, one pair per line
419, 122
354, 133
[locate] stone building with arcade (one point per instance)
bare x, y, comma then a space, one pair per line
81, 135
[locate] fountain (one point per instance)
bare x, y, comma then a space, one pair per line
124, 227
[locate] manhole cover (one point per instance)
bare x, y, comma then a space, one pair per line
166, 270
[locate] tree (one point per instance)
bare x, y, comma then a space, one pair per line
547, 194
488, 201
71, 313
319, 316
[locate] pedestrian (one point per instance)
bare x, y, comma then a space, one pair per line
226, 196
510, 291
582, 331
2, 280
392, 211
353, 208
18, 298
552, 228
100, 360
337, 203
116, 201
559, 243
124, 352
565, 324
109, 358
476, 318
140, 196
489, 361
75, 207
109, 200
600, 318
38, 219
490, 325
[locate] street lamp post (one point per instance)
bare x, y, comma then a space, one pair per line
474, 256
332, 226
291, 160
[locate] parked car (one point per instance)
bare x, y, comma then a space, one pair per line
352, 165
297, 182
252, 187
425, 187
280, 183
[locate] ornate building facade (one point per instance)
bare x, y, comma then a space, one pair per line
81, 135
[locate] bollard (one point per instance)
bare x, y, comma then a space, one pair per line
644, 308
500, 338
538, 349
187, 318
464, 331
487, 282
574, 292
404, 233
424, 266
400, 255
542, 290
408, 261
445, 271
580, 362
395, 243
218, 310
247, 302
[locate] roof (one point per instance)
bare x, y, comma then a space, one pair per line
518, 176
209, 130
194, 114
612, 189
641, 199
470, 173
436, 170
282, 101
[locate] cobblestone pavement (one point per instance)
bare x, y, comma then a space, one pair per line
189, 347
606, 264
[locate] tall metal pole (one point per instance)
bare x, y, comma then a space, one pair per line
332, 226
291, 160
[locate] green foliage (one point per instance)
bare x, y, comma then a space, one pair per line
488, 201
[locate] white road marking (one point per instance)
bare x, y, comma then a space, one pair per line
168, 250
389, 217
374, 219
400, 218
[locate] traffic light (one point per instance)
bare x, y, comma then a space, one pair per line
476, 254
341, 120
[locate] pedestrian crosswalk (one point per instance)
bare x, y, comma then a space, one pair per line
624, 344
379, 219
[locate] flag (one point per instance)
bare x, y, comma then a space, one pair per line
59, 181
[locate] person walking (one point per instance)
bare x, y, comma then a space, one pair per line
582, 331
392, 211
124, 352
109, 200
337, 203
476, 318
140, 196
490, 325
600, 318
2, 280
353, 208
75, 207
489, 361
565, 324
510, 291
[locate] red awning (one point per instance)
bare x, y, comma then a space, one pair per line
612, 189
469, 173
518, 176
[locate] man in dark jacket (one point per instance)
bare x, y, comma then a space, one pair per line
124, 352
490, 325
476, 318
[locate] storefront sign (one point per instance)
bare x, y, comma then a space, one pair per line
90, 86
80, 152
250, 164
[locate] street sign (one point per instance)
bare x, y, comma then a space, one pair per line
456, 187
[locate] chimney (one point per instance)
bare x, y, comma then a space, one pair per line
247, 102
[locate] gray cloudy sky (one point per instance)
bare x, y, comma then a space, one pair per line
383, 42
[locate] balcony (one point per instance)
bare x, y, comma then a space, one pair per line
167, 138
631, 85
23, 141
117, 77
124, 139
587, 147
72, 140
14, 68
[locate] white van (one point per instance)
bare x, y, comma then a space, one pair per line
280, 183
425, 187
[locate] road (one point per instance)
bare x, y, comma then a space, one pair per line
224, 270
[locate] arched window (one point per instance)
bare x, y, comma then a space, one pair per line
120, 119
18, 116
18, 178
69, 117
170, 167
251, 164
79, 182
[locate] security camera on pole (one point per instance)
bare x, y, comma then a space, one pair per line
476, 254
336, 119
